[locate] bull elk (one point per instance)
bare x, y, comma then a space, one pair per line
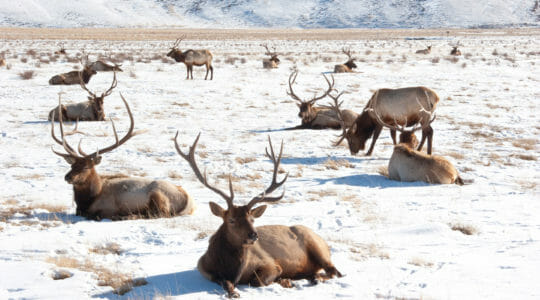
273, 61
74, 77
192, 58
348, 66
62, 50
118, 196
102, 66
239, 253
407, 164
91, 110
405, 106
318, 117
424, 51
455, 51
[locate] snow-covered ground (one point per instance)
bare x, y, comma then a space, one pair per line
270, 13
391, 239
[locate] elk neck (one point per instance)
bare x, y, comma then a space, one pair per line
85, 194
86, 74
224, 254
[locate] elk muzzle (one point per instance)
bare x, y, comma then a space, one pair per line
252, 237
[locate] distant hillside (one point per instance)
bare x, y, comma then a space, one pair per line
271, 13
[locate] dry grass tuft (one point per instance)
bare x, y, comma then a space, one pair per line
527, 144
245, 160
26, 75
464, 228
365, 251
108, 248
419, 262
529, 157
336, 164
61, 274
175, 175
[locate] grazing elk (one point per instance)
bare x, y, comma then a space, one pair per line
102, 66
91, 110
273, 61
405, 106
192, 58
348, 66
239, 253
62, 50
318, 117
74, 77
118, 196
455, 51
424, 51
407, 164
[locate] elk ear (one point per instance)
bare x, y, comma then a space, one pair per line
217, 210
70, 160
258, 211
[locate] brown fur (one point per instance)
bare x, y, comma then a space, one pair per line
346, 67
424, 51
193, 58
73, 77
455, 51
2, 62
273, 61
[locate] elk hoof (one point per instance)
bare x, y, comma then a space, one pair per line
285, 282
233, 294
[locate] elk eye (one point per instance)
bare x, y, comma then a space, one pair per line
231, 221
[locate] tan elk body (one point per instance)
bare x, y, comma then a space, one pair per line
192, 58
424, 51
118, 196
273, 61
318, 117
102, 66
404, 106
74, 77
348, 66
91, 110
239, 253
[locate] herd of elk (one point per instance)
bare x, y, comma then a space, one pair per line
91, 110
405, 106
192, 58
318, 117
408, 164
273, 61
118, 196
424, 51
348, 66
74, 77
239, 253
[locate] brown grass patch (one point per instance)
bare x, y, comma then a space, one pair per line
419, 262
361, 252
336, 164
7, 213
455, 155
464, 228
61, 274
175, 175
29, 177
245, 160
108, 248
383, 170
26, 75
529, 157
527, 144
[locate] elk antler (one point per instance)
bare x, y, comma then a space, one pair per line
190, 158
290, 92
274, 184
113, 85
268, 52
177, 42
347, 52
335, 106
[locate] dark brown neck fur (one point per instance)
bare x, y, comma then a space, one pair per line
224, 256
86, 194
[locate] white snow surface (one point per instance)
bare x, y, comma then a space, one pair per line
392, 240
269, 13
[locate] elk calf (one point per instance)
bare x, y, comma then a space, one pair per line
273, 61
318, 117
348, 66
91, 110
240, 253
102, 66
118, 197
424, 51
192, 58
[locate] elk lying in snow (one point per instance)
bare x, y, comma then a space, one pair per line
91, 110
118, 196
405, 106
192, 58
74, 77
273, 61
407, 164
348, 66
62, 50
424, 51
318, 117
102, 66
239, 253
455, 51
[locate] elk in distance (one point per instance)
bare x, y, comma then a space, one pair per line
74, 77
408, 164
405, 106
91, 110
102, 66
424, 51
273, 61
192, 58
2, 61
118, 196
239, 253
455, 51
348, 66
318, 117
62, 50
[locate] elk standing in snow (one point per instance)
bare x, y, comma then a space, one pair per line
91, 110
118, 196
424, 51
405, 106
318, 117
192, 58
273, 61
74, 77
239, 253
348, 66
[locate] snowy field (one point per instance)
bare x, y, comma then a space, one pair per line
393, 240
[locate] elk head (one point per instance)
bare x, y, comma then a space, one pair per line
82, 164
237, 220
307, 112
273, 54
350, 62
97, 101
356, 142
175, 53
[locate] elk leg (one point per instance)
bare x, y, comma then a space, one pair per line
187, 70
211, 72
229, 288
426, 133
191, 71
266, 274
207, 69
393, 135
159, 205
376, 133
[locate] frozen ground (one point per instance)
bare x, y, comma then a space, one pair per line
391, 239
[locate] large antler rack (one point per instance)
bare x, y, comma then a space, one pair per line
292, 94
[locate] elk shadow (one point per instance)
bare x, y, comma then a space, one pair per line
64, 217
172, 284
322, 160
371, 181
41, 122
